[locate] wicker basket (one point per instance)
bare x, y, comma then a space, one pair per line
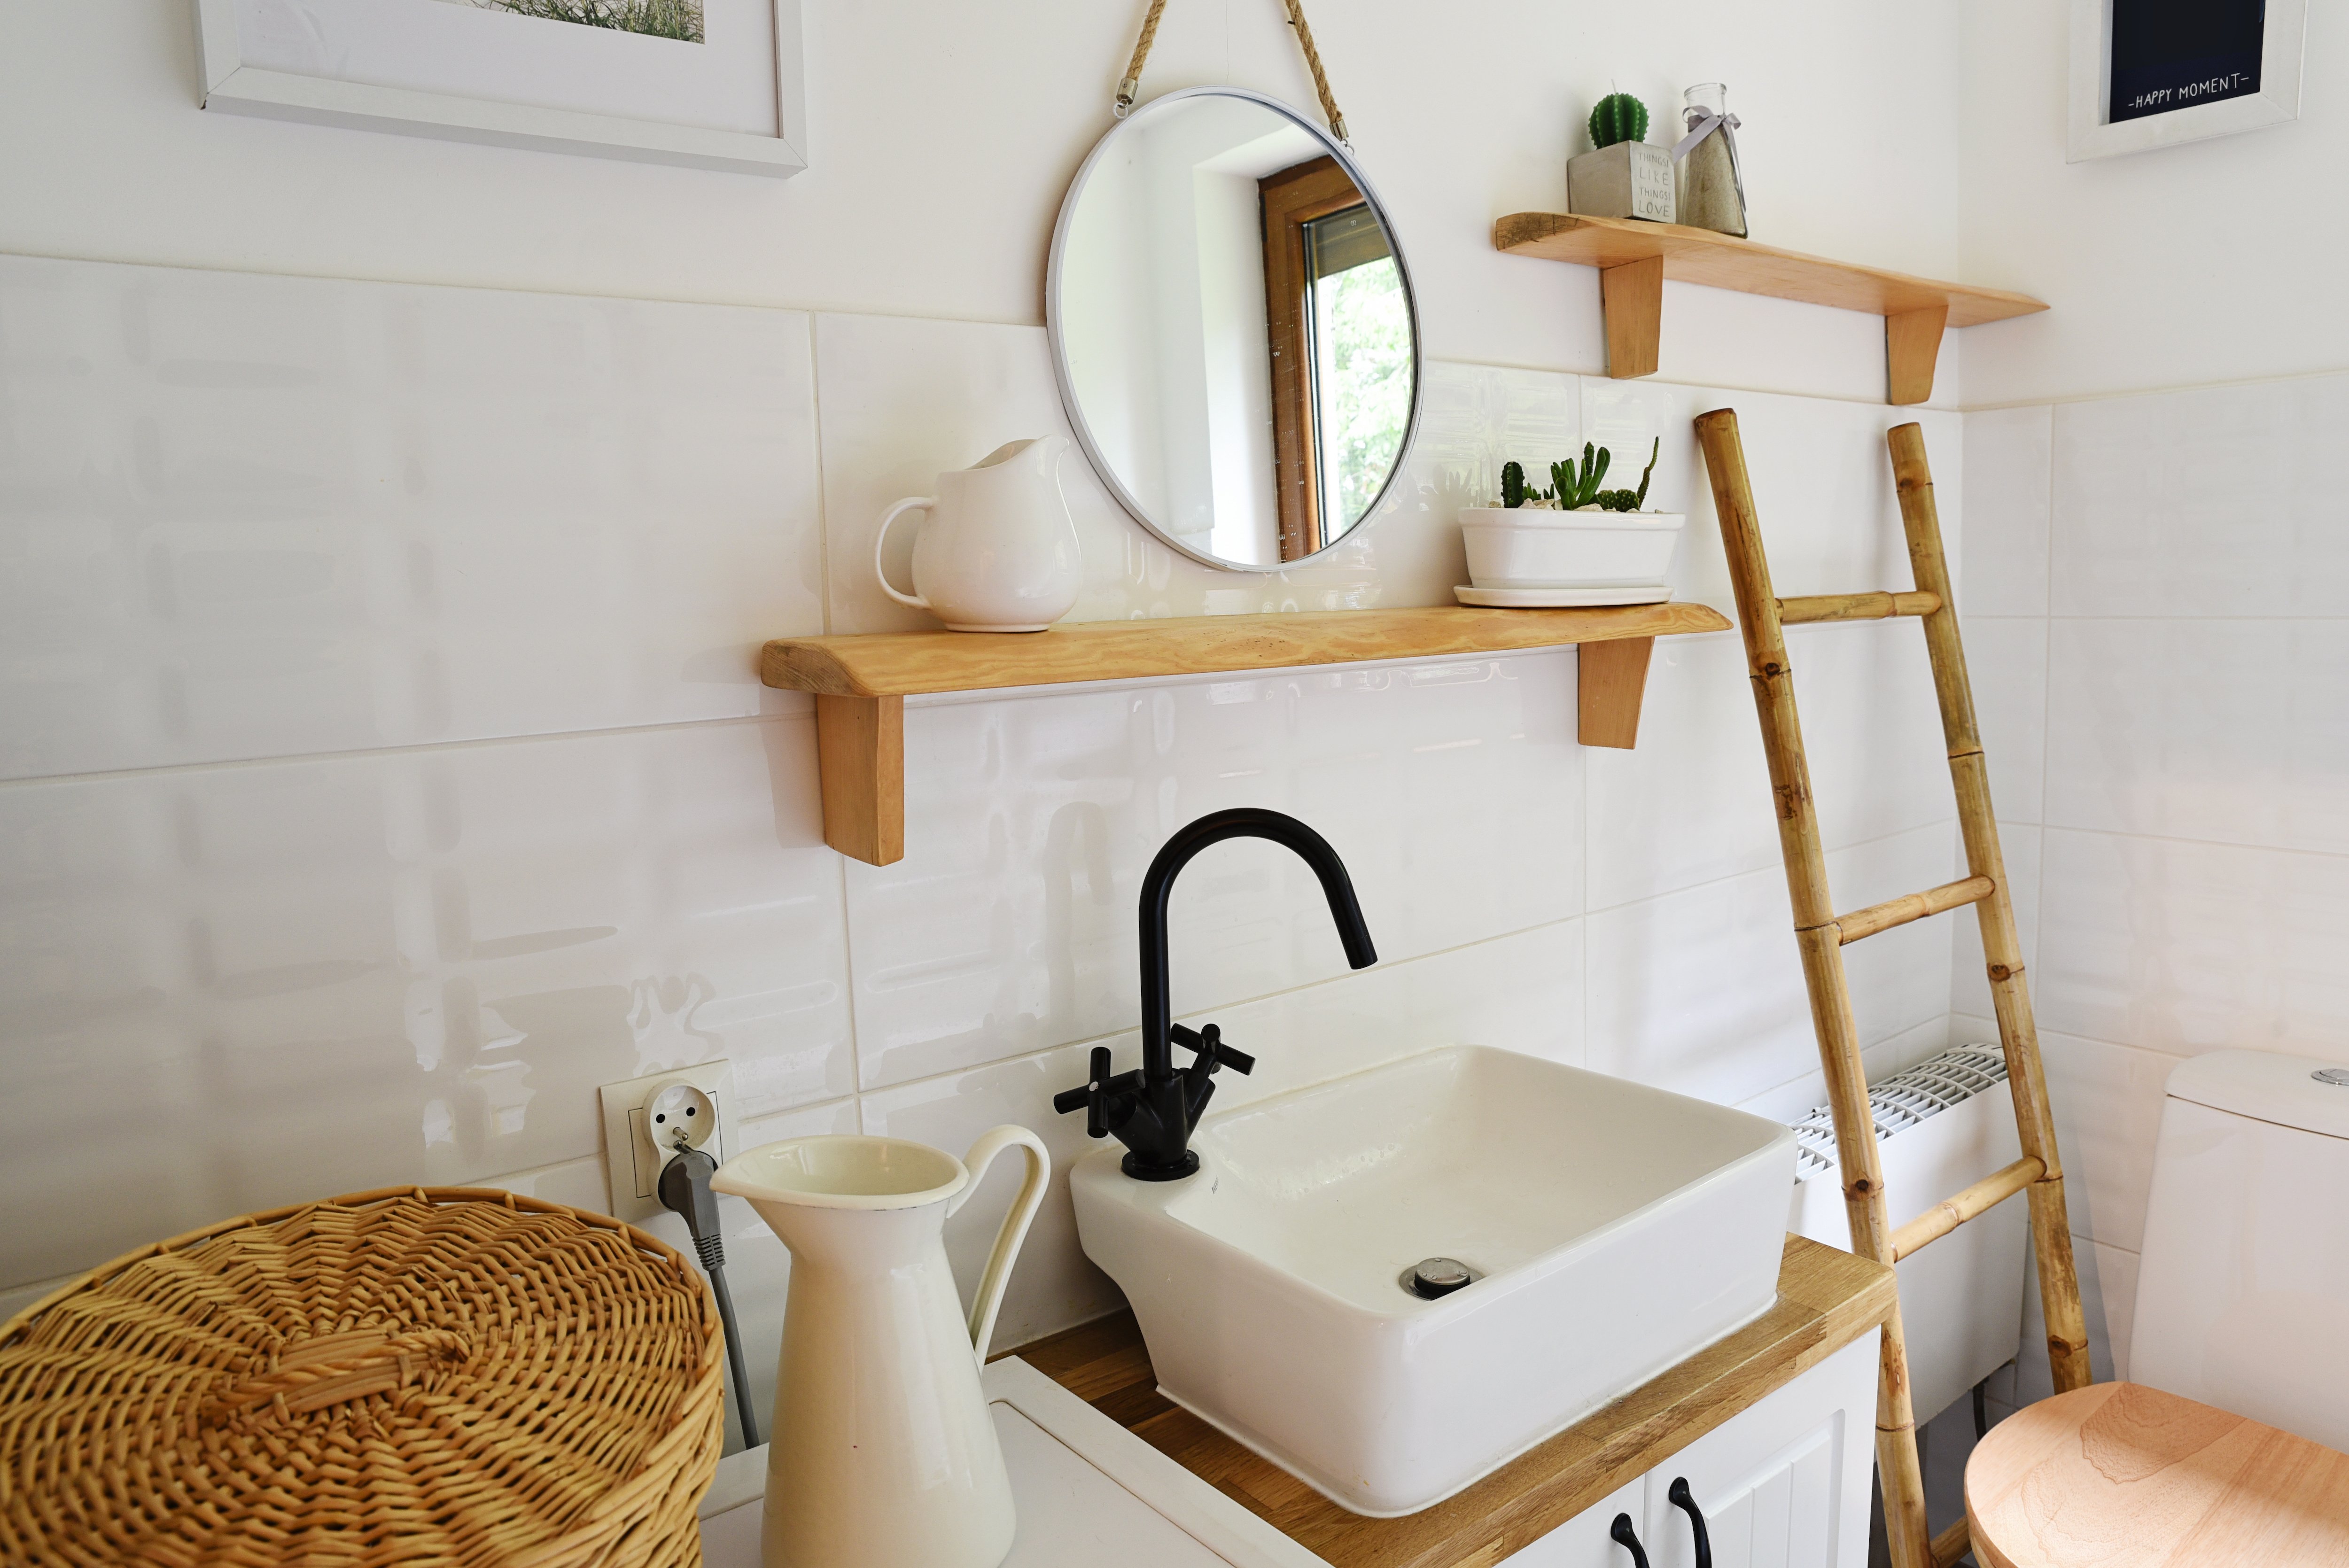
410, 1376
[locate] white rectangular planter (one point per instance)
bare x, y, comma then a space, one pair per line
1525, 547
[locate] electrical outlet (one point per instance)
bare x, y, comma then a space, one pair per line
645, 1117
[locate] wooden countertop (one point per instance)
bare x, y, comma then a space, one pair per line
1826, 1299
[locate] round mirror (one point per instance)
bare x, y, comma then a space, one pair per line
1232, 327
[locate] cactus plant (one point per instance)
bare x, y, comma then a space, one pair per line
1617, 117
1513, 485
1631, 501
1579, 489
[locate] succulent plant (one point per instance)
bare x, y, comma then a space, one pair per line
1513, 485
1578, 489
1617, 117
1640, 499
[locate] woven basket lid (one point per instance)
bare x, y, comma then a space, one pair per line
441, 1377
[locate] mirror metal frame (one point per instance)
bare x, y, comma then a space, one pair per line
1053, 325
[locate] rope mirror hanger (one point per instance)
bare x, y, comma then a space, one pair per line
1296, 9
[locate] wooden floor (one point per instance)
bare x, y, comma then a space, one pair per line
2123, 1475
1826, 1299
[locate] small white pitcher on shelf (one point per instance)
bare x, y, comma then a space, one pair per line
999, 550
882, 1452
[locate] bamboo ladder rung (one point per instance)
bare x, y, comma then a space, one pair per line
1952, 1543
1977, 1199
1910, 906
1854, 607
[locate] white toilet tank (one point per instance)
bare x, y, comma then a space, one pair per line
2242, 1299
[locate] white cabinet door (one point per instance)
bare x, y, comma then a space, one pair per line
1583, 1542
1782, 1485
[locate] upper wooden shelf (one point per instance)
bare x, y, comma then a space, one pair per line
861, 683
1634, 259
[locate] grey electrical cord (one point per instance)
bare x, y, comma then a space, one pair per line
685, 1187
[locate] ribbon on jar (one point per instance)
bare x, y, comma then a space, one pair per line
1725, 123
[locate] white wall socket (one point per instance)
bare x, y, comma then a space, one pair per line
643, 1120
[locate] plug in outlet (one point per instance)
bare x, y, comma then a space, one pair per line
644, 1118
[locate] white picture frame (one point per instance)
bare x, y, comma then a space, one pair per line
232, 85
2091, 135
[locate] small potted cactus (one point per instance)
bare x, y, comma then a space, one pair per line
1570, 542
1624, 175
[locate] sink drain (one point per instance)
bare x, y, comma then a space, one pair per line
1431, 1278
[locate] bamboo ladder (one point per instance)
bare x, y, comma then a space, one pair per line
1822, 935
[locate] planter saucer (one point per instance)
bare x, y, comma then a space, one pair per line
1565, 598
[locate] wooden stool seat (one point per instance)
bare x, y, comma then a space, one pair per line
2123, 1475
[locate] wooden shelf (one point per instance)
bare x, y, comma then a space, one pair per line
1634, 259
860, 684
1826, 1299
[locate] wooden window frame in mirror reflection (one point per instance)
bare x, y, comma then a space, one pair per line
1292, 198
1301, 534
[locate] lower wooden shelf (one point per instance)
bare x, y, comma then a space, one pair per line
861, 683
1826, 1299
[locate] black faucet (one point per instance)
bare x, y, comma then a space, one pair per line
1152, 1109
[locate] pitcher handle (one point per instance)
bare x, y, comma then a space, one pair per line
910, 503
989, 1299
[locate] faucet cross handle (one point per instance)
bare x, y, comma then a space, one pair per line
1092, 1096
1207, 1044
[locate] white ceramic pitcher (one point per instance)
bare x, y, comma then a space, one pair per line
883, 1454
999, 550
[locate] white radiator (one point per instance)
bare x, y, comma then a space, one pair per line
1944, 1125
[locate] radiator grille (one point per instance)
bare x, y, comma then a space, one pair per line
1903, 1101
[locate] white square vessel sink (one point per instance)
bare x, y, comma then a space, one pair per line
1614, 1229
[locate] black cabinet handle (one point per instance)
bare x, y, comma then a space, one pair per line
1630, 1539
1683, 1499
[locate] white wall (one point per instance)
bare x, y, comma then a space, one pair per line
2216, 261
944, 134
2157, 590
383, 764
2154, 601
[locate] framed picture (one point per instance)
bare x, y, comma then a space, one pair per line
2154, 73
707, 84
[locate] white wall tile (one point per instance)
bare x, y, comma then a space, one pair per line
1453, 790
2009, 454
1702, 991
2108, 1103
250, 516
2231, 731
2221, 500
2006, 664
2187, 947
2019, 843
1520, 993
1691, 802
312, 977
905, 399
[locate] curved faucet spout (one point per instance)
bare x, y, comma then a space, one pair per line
1158, 888
1152, 1109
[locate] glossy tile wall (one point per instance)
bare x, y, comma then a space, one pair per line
382, 769
2155, 591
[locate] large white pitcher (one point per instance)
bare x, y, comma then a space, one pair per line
999, 550
883, 1454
